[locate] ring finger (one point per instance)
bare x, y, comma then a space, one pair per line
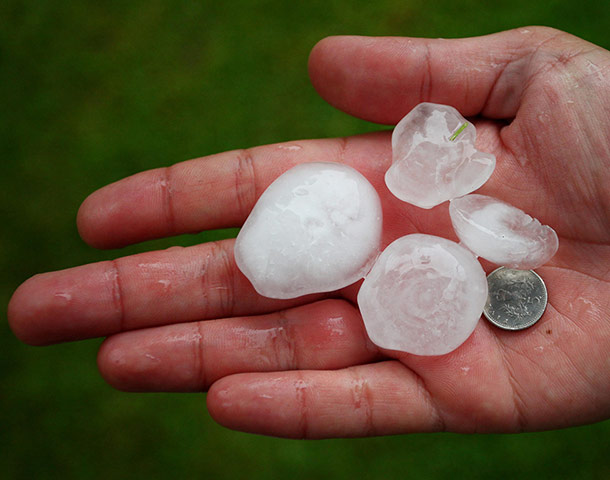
191, 356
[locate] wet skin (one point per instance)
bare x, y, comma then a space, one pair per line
185, 319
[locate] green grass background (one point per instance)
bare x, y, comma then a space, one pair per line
93, 91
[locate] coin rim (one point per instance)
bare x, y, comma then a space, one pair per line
521, 327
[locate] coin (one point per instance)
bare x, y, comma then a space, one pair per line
516, 299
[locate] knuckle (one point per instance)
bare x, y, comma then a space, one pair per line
284, 345
245, 182
218, 281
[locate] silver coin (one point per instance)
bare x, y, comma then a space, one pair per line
516, 300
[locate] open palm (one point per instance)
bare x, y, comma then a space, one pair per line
186, 319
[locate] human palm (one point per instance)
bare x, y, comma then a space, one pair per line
185, 319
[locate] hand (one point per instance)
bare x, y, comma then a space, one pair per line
185, 319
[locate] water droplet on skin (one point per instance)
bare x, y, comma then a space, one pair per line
595, 70
65, 296
292, 148
224, 396
155, 265
111, 275
336, 325
152, 357
358, 387
300, 385
585, 301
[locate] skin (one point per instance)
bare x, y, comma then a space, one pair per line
186, 319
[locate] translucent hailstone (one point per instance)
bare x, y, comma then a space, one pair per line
434, 158
424, 295
501, 233
316, 228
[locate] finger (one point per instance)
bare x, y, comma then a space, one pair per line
375, 399
220, 190
154, 288
381, 79
468, 390
212, 192
189, 357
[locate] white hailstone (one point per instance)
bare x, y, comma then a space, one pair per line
434, 158
317, 228
424, 295
501, 233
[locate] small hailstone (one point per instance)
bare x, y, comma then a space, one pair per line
317, 228
501, 233
434, 158
424, 295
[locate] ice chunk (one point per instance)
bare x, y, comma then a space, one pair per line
501, 233
434, 158
424, 295
316, 228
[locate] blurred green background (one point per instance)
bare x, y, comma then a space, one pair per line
94, 91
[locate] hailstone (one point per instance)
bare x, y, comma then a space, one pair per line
501, 233
424, 295
434, 158
316, 228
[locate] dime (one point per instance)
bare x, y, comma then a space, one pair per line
516, 300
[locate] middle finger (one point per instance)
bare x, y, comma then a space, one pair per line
154, 288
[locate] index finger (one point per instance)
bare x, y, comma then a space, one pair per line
217, 191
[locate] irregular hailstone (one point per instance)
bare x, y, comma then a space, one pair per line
317, 228
501, 233
424, 295
433, 157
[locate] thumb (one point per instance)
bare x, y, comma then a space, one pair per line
381, 78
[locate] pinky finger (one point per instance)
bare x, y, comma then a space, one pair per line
375, 399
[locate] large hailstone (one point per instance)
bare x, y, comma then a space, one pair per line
424, 295
434, 158
317, 228
501, 233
